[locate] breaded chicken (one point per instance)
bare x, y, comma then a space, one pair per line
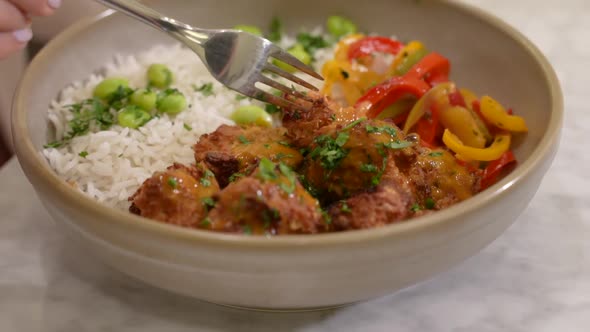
302, 124
347, 159
232, 150
180, 195
270, 201
390, 201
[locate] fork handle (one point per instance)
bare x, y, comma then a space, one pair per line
137, 10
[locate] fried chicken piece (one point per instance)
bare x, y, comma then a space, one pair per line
438, 180
180, 195
302, 124
388, 202
346, 159
271, 201
231, 150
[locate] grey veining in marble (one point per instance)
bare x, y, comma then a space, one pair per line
536, 277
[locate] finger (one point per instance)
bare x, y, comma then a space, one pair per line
11, 18
38, 7
10, 42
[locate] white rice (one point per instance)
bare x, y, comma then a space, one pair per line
120, 159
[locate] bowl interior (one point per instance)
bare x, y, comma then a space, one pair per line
484, 58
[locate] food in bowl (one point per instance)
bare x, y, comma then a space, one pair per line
388, 139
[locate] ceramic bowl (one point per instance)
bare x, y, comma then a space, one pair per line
300, 272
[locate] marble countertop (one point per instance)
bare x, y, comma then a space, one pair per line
535, 277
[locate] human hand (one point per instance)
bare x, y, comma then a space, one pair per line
15, 22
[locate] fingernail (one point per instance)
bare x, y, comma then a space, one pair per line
55, 4
23, 35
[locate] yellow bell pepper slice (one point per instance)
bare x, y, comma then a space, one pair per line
500, 145
405, 53
459, 120
469, 97
436, 94
496, 114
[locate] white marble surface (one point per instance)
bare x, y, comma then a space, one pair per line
536, 277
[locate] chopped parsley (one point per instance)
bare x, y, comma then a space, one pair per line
291, 176
415, 207
267, 146
341, 139
375, 180
369, 168
353, 123
270, 215
276, 28
247, 229
208, 202
330, 151
345, 208
206, 222
396, 145
310, 42
205, 182
243, 139
285, 143
327, 217
83, 154
235, 176
384, 129
271, 109
205, 178
266, 170
281, 155
206, 89
436, 154
429, 203
172, 183
86, 113
187, 127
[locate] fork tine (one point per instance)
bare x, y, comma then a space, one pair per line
272, 99
274, 69
287, 58
272, 83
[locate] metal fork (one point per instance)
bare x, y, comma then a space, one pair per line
237, 59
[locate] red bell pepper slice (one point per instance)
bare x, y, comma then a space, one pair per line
390, 91
368, 45
428, 127
433, 68
456, 99
495, 168
401, 119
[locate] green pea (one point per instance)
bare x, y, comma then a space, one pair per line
249, 28
105, 89
144, 99
339, 26
297, 51
133, 117
171, 102
251, 114
159, 75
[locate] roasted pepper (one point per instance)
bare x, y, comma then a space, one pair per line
497, 115
369, 45
500, 145
410, 55
437, 94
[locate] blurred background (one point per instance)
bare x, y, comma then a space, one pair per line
11, 69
